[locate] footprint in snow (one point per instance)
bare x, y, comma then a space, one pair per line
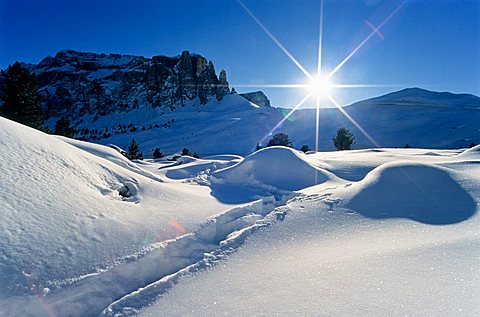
331, 203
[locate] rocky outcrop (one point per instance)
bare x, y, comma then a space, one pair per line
258, 98
74, 84
207, 83
222, 88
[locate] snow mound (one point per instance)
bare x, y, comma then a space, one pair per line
196, 168
224, 157
472, 153
273, 167
109, 153
421, 192
185, 159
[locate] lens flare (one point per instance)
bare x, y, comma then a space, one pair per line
285, 117
177, 226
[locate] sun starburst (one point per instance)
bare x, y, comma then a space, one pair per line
319, 85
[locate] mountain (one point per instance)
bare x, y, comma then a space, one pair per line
418, 96
258, 98
75, 84
236, 125
177, 102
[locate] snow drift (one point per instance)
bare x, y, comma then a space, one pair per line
275, 168
71, 211
472, 153
189, 167
418, 191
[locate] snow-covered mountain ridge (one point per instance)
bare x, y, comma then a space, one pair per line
235, 125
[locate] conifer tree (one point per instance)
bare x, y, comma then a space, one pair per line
21, 100
133, 152
305, 148
62, 127
156, 153
280, 139
343, 140
186, 151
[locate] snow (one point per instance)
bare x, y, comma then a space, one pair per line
472, 153
429, 120
418, 191
101, 73
64, 217
86, 232
337, 264
278, 167
403, 241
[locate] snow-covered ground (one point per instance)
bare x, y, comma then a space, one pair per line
402, 241
86, 232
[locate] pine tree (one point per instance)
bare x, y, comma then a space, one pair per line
305, 148
156, 153
133, 152
21, 100
186, 151
280, 139
62, 127
343, 140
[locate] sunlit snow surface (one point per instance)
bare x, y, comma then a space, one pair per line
85, 232
352, 250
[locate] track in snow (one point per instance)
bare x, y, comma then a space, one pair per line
130, 286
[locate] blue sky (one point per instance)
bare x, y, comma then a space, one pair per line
434, 44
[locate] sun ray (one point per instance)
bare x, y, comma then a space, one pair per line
271, 86
317, 131
366, 86
356, 49
379, 34
359, 127
298, 105
323, 86
320, 40
274, 39
317, 124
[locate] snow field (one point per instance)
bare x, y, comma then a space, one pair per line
402, 241
368, 232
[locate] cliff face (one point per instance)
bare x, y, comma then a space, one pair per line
74, 84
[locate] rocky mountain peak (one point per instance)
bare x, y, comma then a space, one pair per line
74, 84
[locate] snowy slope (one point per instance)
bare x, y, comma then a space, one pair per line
414, 116
64, 217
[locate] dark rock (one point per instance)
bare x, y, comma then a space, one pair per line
222, 88
73, 83
258, 98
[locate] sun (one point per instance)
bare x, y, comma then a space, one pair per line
320, 86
